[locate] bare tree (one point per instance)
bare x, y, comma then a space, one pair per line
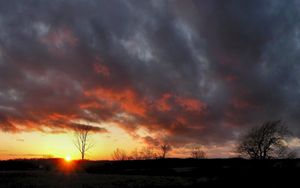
82, 142
143, 154
135, 155
265, 142
119, 155
165, 148
148, 153
198, 153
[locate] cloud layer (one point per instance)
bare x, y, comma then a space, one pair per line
186, 71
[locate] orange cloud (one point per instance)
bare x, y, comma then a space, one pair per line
127, 99
61, 117
190, 104
90, 105
162, 104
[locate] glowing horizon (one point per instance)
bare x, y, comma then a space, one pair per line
24, 145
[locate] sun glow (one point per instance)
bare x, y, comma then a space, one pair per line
68, 158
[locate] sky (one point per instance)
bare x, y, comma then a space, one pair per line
144, 73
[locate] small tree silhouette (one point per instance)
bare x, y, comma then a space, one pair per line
82, 142
145, 153
165, 148
119, 155
198, 153
148, 153
266, 142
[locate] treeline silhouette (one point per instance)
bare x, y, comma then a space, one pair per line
201, 171
135, 166
30, 164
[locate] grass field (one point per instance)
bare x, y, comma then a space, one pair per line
56, 173
29, 179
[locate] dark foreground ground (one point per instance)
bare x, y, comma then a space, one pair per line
153, 173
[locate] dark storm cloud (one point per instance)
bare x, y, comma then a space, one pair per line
187, 71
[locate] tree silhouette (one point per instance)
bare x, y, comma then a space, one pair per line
82, 142
165, 148
145, 153
119, 155
148, 153
198, 153
265, 142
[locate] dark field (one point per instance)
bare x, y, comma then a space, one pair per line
155, 173
84, 180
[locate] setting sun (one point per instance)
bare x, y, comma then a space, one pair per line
68, 159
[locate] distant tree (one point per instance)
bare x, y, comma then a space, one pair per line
119, 155
135, 155
82, 142
147, 153
143, 154
165, 148
198, 153
266, 142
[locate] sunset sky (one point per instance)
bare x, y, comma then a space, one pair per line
143, 73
